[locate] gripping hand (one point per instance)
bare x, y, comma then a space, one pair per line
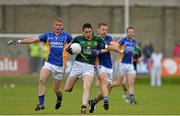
12, 42
69, 50
95, 52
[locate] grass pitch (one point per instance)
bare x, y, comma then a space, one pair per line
19, 96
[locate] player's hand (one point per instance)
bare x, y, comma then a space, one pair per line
95, 52
12, 42
69, 50
101, 46
135, 56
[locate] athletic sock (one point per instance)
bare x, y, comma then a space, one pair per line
105, 99
41, 100
59, 98
131, 96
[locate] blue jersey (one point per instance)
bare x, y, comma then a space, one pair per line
105, 58
56, 45
129, 45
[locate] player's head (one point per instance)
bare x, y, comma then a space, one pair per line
102, 29
87, 31
130, 32
58, 25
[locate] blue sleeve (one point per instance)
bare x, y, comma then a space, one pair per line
69, 38
43, 37
109, 39
121, 41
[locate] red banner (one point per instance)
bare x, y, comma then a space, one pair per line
14, 65
171, 66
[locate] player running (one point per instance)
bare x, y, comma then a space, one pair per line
83, 66
55, 63
126, 68
104, 69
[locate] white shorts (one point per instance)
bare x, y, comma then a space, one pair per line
79, 69
108, 71
126, 69
57, 71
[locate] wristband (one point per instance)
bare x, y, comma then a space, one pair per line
19, 41
106, 46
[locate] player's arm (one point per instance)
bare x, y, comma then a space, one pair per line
24, 41
68, 48
113, 46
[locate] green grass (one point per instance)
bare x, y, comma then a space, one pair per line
22, 99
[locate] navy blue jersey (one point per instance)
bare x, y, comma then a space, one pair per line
56, 45
129, 45
105, 58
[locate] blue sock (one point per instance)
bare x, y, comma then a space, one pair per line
60, 97
105, 99
131, 96
41, 100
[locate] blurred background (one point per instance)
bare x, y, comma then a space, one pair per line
156, 23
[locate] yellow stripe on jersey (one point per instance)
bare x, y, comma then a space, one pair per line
65, 56
119, 58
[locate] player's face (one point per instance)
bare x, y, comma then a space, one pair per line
102, 31
131, 33
87, 33
58, 26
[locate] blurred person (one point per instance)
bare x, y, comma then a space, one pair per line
137, 55
148, 49
83, 66
126, 71
104, 70
176, 50
35, 58
54, 65
156, 60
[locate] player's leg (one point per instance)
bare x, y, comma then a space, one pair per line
117, 82
125, 89
131, 80
103, 77
57, 90
71, 80
44, 74
87, 82
73, 76
94, 101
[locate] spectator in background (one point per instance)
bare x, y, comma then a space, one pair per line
156, 59
35, 58
148, 49
176, 49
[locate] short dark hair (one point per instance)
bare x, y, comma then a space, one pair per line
86, 25
130, 27
101, 24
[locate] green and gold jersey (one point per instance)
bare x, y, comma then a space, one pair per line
86, 46
137, 53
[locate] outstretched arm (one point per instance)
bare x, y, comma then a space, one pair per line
24, 41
